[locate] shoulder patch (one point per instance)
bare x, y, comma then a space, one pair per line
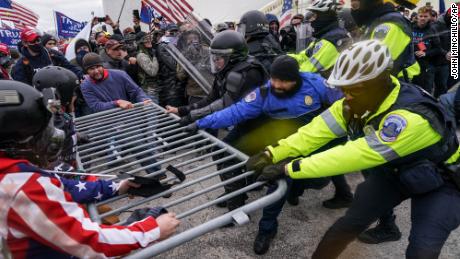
317, 47
392, 127
250, 97
308, 100
381, 31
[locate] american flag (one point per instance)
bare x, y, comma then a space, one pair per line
286, 13
19, 15
28, 195
172, 10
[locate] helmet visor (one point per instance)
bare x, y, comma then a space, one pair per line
218, 62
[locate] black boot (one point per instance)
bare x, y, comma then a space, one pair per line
338, 202
385, 231
262, 242
293, 199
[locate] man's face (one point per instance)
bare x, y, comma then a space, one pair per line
274, 26
96, 72
281, 87
406, 13
219, 62
296, 22
50, 44
117, 53
33, 45
423, 19
83, 48
354, 4
192, 38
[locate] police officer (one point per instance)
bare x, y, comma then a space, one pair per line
320, 57
236, 74
330, 38
261, 43
59, 84
399, 134
273, 111
382, 21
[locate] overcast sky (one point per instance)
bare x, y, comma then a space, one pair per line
79, 10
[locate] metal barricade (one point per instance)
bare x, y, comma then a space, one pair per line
145, 141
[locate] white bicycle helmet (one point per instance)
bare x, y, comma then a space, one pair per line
363, 61
326, 5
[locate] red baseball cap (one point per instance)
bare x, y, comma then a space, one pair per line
4, 49
29, 35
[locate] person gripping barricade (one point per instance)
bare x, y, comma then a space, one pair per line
28, 193
401, 137
273, 111
236, 74
384, 23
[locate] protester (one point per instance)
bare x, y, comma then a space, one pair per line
35, 56
148, 66
114, 55
5, 62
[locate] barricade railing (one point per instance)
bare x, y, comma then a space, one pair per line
145, 141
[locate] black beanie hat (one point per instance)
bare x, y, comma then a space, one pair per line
80, 43
285, 68
47, 37
91, 59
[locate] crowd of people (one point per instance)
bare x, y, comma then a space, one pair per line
339, 90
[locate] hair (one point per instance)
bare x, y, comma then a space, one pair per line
424, 9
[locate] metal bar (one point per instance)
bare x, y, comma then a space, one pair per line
111, 118
138, 120
216, 223
131, 149
146, 158
191, 171
129, 134
170, 191
107, 113
134, 155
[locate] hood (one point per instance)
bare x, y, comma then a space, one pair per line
272, 18
81, 42
46, 38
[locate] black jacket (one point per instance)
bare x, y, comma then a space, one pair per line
430, 39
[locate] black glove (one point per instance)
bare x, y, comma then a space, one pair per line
273, 172
140, 214
258, 161
184, 121
192, 128
82, 138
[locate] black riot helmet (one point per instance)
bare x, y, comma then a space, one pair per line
227, 47
253, 23
26, 128
61, 79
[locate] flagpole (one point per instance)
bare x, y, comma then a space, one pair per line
55, 23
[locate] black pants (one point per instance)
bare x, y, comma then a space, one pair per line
434, 215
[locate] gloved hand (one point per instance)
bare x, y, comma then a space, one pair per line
258, 161
192, 128
82, 138
274, 172
186, 120
140, 214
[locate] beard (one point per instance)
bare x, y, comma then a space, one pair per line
286, 93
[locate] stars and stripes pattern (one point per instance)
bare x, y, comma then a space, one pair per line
286, 13
19, 15
39, 217
172, 10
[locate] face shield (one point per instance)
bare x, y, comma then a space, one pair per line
50, 142
219, 59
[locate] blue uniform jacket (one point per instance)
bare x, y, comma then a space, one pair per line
312, 96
